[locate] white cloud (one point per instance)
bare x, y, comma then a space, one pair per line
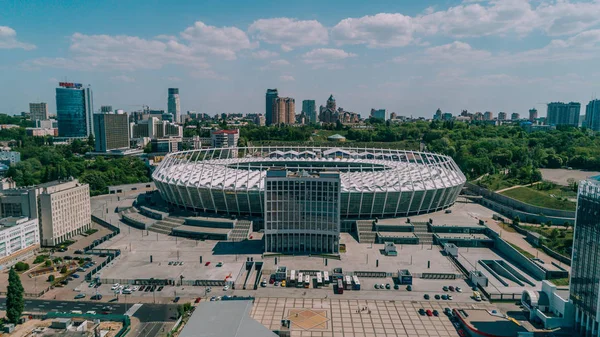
8, 40
323, 55
289, 33
173, 79
225, 41
456, 51
123, 78
381, 30
208, 74
287, 78
264, 54
280, 63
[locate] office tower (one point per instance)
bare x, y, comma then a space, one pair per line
270, 98
380, 113
38, 111
438, 115
585, 267
174, 106
560, 113
501, 116
106, 108
515, 116
488, 116
225, 138
533, 115
309, 109
74, 110
302, 212
284, 111
290, 109
592, 115
111, 132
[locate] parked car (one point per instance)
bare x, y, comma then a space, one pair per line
115, 286
448, 211
376, 285
437, 296
75, 276
396, 287
429, 312
422, 312
67, 257
176, 299
387, 286
79, 252
448, 311
409, 287
225, 288
79, 296
142, 288
445, 297
170, 263
449, 297
212, 299
198, 299
207, 263
426, 296
91, 312
160, 288
459, 289
91, 285
220, 264
263, 283
436, 313
96, 297
445, 288
451, 288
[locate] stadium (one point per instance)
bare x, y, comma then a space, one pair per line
374, 182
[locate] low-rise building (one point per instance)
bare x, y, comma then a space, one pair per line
19, 238
225, 138
10, 157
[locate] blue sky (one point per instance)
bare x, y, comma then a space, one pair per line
410, 57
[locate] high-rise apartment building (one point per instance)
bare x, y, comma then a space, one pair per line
154, 128
38, 111
106, 108
515, 116
501, 116
302, 212
19, 238
592, 115
61, 207
284, 111
74, 110
585, 267
174, 105
309, 109
270, 98
111, 132
560, 113
533, 115
488, 116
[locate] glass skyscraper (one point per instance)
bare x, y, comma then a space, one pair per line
309, 109
585, 268
270, 98
302, 212
74, 109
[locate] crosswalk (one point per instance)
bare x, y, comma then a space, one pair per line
133, 309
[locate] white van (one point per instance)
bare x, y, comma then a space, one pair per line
77, 312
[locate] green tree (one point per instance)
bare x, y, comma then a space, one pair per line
14, 297
63, 270
21, 266
51, 278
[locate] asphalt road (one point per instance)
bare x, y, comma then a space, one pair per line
146, 313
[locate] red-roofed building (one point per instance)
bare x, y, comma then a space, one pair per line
225, 138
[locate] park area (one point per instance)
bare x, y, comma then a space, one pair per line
545, 194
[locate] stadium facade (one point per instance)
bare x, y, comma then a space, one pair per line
373, 182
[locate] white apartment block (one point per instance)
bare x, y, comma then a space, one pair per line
19, 239
225, 138
62, 208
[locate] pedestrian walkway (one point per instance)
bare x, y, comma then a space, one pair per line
133, 309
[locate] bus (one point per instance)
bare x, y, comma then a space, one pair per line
319, 279
307, 281
348, 282
292, 281
340, 286
300, 282
326, 278
355, 283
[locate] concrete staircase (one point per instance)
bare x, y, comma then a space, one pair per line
365, 231
421, 231
166, 226
241, 231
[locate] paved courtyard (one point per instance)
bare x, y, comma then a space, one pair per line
333, 317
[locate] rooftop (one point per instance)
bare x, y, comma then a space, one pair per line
489, 324
224, 319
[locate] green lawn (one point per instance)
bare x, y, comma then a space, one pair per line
558, 238
541, 198
494, 182
561, 281
524, 252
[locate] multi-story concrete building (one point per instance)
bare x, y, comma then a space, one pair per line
111, 132
174, 105
302, 212
488, 116
19, 238
592, 115
74, 109
10, 157
38, 111
225, 138
533, 115
501, 116
61, 207
270, 97
309, 108
284, 111
41, 132
155, 128
585, 267
515, 116
560, 113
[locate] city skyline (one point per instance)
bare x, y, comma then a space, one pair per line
406, 58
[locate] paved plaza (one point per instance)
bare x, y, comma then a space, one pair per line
331, 317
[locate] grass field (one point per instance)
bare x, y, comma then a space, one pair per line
524, 252
542, 198
561, 281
